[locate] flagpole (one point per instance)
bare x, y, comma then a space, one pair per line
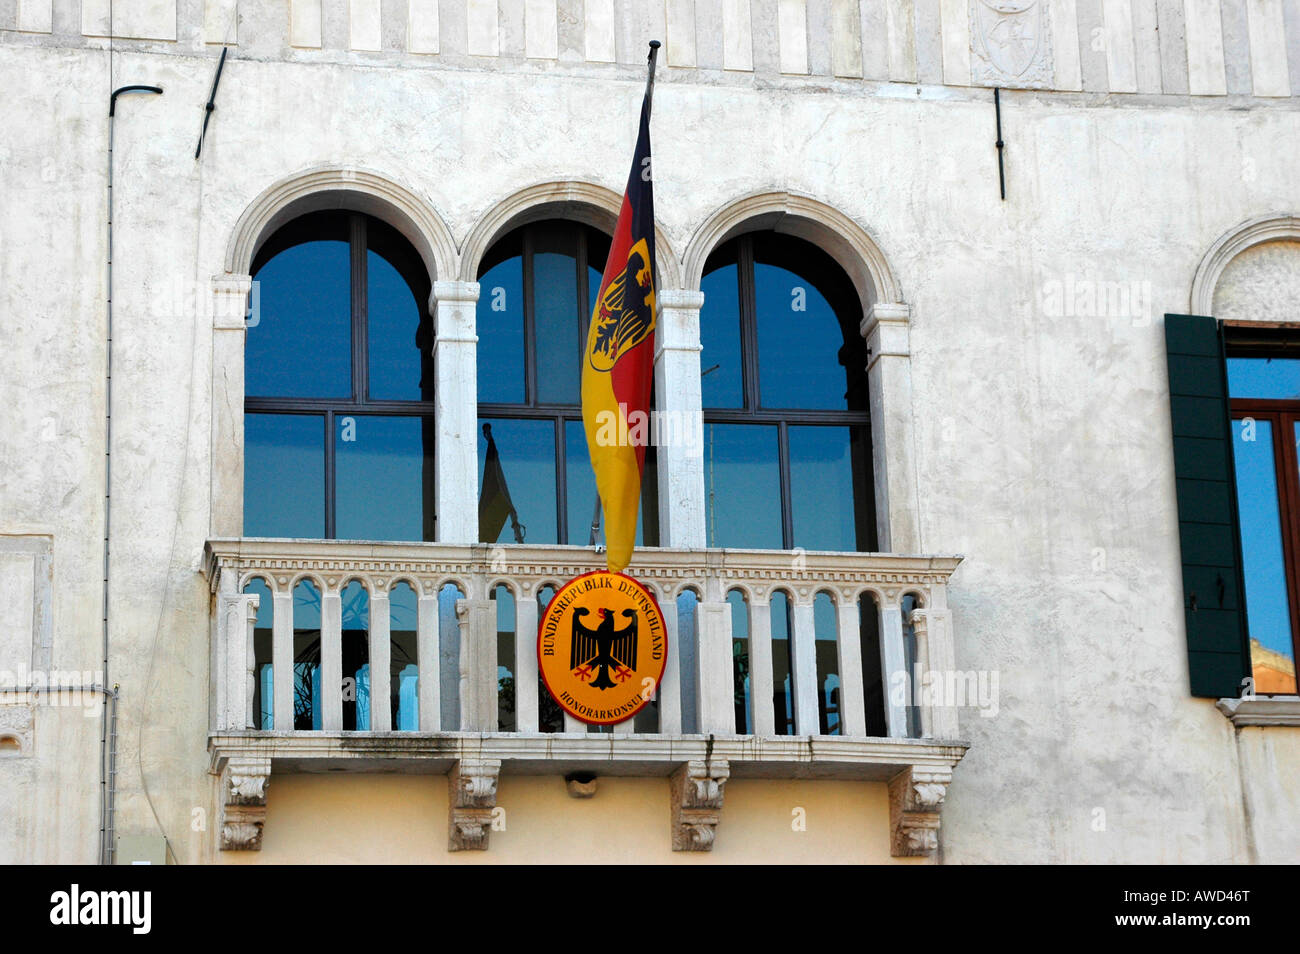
650, 80
649, 99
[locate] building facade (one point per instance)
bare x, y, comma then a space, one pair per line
967, 552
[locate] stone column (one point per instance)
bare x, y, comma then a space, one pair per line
848, 643
381, 704
715, 706
282, 673
893, 660
478, 664
237, 615
889, 375
455, 357
803, 658
229, 327
427, 658
331, 658
677, 388
760, 664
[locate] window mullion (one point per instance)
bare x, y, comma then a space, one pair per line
329, 475
561, 483
584, 293
747, 298
360, 364
787, 511
530, 350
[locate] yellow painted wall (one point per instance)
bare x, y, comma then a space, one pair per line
401, 819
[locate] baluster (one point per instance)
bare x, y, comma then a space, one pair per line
331, 658
893, 660
804, 659
250, 665
527, 714
714, 681
282, 658
848, 642
760, 663
670, 686
381, 648
478, 664
426, 660
920, 630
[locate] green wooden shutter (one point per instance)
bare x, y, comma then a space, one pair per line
1217, 646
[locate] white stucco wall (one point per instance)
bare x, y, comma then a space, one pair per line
1043, 449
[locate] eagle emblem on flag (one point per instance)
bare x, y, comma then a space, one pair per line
625, 314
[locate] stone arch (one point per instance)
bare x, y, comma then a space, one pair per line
584, 202
1274, 227
807, 218
338, 187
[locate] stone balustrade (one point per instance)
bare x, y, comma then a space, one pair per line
819, 678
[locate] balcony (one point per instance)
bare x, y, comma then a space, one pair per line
782, 664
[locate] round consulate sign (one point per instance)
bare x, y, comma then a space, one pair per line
601, 647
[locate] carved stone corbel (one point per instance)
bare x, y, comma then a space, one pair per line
915, 796
697, 789
243, 803
472, 795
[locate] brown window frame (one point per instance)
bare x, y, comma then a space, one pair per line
1271, 340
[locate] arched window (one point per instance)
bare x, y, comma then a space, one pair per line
787, 435
338, 378
538, 286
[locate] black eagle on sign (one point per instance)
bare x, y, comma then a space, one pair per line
603, 648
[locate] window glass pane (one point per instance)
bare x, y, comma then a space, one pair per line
284, 475
742, 486
549, 715
299, 341
722, 382
385, 472
555, 313
801, 349
1268, 608
594, 276
823, 495
826, 641
580, 486
398, 336
1276, 378
526, 482
782, 664
264, 683
306, 656
500, 322
404, 658
355, 603
507, 719
740, 661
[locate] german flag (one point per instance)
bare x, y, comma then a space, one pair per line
618, 364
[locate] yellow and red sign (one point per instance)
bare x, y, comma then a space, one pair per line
602, 647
